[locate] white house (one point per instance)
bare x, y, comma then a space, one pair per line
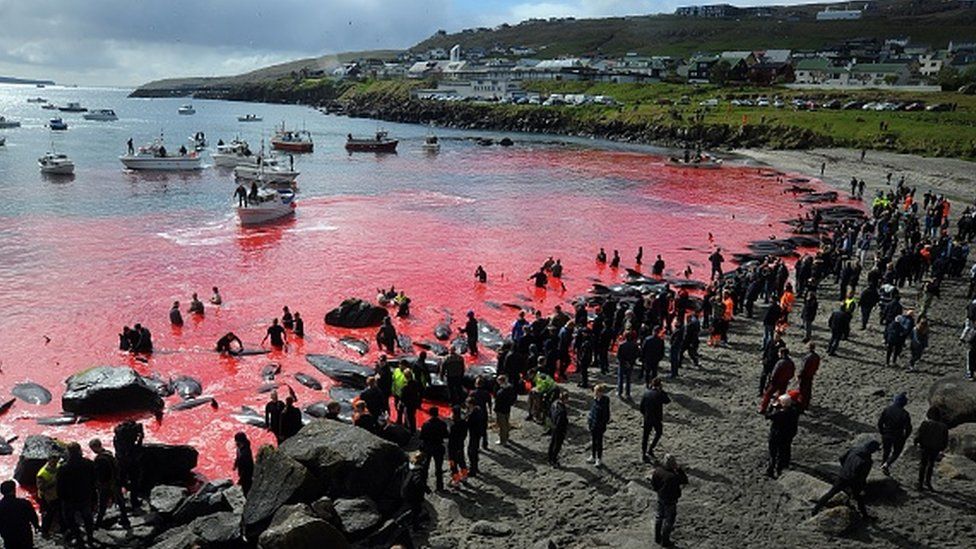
838, 15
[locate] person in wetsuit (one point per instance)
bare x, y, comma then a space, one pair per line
480, 274
224, 344
175, 318
276, 333
540, 278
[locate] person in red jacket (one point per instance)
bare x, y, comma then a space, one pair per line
811, 363
780, 379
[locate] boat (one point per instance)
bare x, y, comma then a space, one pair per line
73, 106
249, 118
268, 205
379, 144
233, 154
186, 109
54, 163
49, 106
266, 171
700, 161
3, 140
155, 157
6, 123
36, 100
431, 144
198, 141
104, 115
57, 124
292, 141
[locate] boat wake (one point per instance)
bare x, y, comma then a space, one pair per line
215, 233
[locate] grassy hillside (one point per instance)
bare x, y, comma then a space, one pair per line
933, 22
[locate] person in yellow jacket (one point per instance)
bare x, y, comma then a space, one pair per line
399, 382
47, 493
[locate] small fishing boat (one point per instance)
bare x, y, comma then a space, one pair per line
54, 163
36, 100
155, 157
49, 107
102, 115
186, 109
249, 118
381, 143
700, 161
6, 123
266, 171
431, 144
268, 205
233, 154
57, 124
292, 140
3, 140
73, 106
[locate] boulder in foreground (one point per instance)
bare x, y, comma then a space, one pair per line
109, 389
37, 448
955, 397
356, 313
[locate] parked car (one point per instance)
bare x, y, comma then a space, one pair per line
939, 107
709, 103
916, 106
762, 102
852, 105
832, 104
778, 103
685, 100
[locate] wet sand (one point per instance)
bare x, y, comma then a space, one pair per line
713, 428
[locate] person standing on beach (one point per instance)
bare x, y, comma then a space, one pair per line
840, 325
716, 261
652, 352
476, 419
811, 363
784, 417
17, 518
559, 416
505, 398
627, 355
452, 370
895, 426
243, 462
471, 333
932, 438
667, 481
652, 410
455, 446
291, 419
597, 421
780, 378
432, 435
809, 314
107, 483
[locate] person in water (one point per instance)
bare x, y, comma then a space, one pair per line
277, 335
287, 320
215, 298
224, 344
615, 262
557, 269
481, 275
196, 306
299, 329
471, 333
540, 278
403, 304
386, 336
175, 318
601, 256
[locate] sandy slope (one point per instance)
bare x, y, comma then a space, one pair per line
713, 428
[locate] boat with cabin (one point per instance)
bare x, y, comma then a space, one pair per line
155, 157
268, 204
233, 154
292, 140
49, 107
54, 163
6, 123
36, 100
102, 115
73, 106
57, 124
186, 109
381, 143
431, 144
249, 118
267, 171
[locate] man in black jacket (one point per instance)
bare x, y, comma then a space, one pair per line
652, 409
291, 419
840, 326
559, 415
477, 420
505, 398
855, 466
932, 438
895, 426
772, 317
17, 517
627, 355
432, 436
76, 486
652, 352
769, 359
809, 314
667, 481
784, 416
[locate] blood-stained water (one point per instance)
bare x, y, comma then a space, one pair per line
71, 280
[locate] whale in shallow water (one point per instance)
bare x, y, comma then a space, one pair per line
162, 388
31, 392
250, 416
308, 381
187, 387
267, 387
269, 371
63, 419
5, 448
358, 345
193, 403
443, 329
433, 347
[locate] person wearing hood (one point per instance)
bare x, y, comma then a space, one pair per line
895, 425
784, 418
932, 438
855, 465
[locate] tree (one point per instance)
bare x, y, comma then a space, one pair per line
948, 78
719, 73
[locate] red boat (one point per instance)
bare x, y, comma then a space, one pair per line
292, 141
380, 144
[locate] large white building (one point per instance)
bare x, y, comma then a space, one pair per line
839, 15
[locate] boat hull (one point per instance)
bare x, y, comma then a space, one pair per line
72, 109
223, 160
299, 147
372, 146
64, 169
100, 117
172, 163
8, 125
256, 215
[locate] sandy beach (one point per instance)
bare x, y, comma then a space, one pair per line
714, 430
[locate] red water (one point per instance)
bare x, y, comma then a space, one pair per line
78, 280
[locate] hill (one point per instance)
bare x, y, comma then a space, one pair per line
12, 80
931, 22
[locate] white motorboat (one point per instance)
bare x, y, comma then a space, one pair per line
49, 107
102, 115
155, 157
186, 109
249, 118
268, 205
266, 171
73, 106
54, 163
431, 144
700, 161
7, 123
233, 154
36, 100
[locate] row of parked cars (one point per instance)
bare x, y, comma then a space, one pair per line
832, 104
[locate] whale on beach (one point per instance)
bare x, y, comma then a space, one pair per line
61, 420
267, 387
432, 346
443, 329
162, 388
308, 381
489, 336
340, 370
31, 392
5, 407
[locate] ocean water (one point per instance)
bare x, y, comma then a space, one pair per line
81, 257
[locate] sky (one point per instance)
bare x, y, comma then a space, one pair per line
129, 42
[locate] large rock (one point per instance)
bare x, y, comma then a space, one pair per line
962, 440
218, 530
491, 529
358, 516
37, 448
209, 499
834, 521
295, 527
278, 479
356, 313
109, 389
168, 463
955, 397
349, 461
165, 499
956, 467
342, 371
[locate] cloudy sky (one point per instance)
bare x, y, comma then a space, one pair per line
127, 42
